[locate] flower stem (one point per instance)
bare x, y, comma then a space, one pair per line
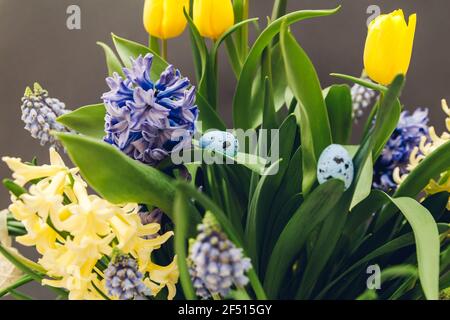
164, 49
256, 285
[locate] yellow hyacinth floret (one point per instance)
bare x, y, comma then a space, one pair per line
76, 232
426, 147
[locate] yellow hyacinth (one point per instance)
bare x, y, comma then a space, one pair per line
213, 17
164, 19
389, 46
75, 231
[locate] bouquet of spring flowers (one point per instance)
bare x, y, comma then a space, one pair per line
164, 202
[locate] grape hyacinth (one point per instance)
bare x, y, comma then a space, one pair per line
216, 264
410, 130
123, 280
149, 120
362, 98
39, 113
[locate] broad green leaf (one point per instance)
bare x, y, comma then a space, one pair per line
392, 246
269, 115
364, 184
117, 177
209, 118
313, 119
429, 168
314, 210
113, 63
88, 120
244, 116
279, 80
182, 224
262, 200
339, 105
190, 192
131, 50
426, 237
388, 116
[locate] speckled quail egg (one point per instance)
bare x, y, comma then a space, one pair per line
220, 141
335, 163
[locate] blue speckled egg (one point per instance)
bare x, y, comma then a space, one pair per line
335, 163
220, 141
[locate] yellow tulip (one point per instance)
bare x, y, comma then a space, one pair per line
213, 17
164, 19
389, 46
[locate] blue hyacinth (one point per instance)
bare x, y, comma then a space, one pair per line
148, 120
123, 280
215, 263
410, 129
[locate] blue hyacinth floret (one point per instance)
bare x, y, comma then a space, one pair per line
216, 264
123, 280
410, 130
149, 120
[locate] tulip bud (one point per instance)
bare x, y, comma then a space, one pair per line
389, 46
213, 17
164, 19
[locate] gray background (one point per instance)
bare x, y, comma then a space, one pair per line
35, 45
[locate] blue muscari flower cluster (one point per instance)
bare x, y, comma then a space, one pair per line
410, 130
123, 279
216, 264
148, 120
39, 113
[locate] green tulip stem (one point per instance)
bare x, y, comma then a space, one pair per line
164, 49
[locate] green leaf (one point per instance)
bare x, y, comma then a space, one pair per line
262, 200
182, 224
244, 116
430, 168
388, 116
401, 271
314, 210
209, 118
313, 118
362, 82
269, 114
190, 192
131, 50
115, 176
22, 281
14, 188
426, 236
279, 80
364, 184
88, 120
340, 109
113, 63
229, 32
